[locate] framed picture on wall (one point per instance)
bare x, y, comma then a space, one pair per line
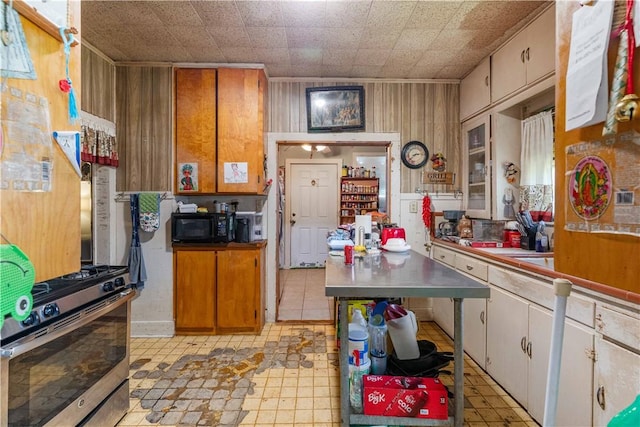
335, 109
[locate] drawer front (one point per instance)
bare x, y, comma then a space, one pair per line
473, 267
579, 308
618, 326
444, 256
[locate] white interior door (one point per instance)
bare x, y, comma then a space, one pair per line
312, 210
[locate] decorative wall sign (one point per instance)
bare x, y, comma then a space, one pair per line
15, 59
603, 185
69, 141
438, 178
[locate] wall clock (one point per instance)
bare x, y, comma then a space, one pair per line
414, 155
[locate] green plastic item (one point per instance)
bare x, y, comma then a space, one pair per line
17, 276
628, 417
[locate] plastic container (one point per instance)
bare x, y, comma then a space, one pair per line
378, 344
358, 338
355, 384
402, 331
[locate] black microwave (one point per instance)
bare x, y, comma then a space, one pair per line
202, 227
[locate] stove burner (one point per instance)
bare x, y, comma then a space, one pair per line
40, 289
87, 271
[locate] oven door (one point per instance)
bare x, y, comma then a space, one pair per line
59, 374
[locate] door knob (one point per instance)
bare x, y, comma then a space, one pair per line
292, 221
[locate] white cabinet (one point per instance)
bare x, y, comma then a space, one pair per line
518, 343
476, 167
617, 380
475, 329
443, 314
475, 93
526, 58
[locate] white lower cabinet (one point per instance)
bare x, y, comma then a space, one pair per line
617, 380
443, 314
518, 344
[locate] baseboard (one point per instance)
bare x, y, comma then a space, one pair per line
152, 329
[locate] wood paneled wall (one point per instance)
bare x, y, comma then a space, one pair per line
605, 258
98, 85
143, 127
427, 112
46, 225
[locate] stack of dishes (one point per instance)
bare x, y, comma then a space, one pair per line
396, 245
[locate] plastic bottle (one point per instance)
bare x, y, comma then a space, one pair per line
355, 387
358, 338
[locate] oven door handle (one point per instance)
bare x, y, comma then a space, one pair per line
66, 325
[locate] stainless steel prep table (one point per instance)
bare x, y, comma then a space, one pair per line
391, 275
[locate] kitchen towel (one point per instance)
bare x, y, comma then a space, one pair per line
137, 270
149, 207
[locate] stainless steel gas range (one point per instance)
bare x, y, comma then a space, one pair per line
67, 364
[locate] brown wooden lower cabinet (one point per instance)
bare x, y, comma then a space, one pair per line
218, 291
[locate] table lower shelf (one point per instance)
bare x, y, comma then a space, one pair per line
397, 421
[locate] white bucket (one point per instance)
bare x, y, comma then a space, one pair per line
358, 340
403, 332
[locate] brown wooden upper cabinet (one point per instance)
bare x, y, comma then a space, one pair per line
220, 130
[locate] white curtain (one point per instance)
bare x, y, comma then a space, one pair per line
537, 166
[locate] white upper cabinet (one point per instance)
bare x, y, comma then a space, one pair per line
526, 58
475, 92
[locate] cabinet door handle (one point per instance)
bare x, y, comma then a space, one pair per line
522, 56
600, 396
486, 81
527, 55
441, 256
529, 349
523, 344
469, 267
482, 317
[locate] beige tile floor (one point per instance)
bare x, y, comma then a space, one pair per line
286, 376
303, 297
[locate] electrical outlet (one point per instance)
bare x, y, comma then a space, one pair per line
413, 206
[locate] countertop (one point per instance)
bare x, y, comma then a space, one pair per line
389, 275
221, 246
510, 256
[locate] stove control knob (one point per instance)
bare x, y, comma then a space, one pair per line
50, 310
33, 319
119, 282
108, 286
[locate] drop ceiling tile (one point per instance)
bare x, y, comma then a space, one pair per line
189, 36
211, 54
239, 54
176, 13
452, 39
416, 38
338, 57
396, 71
340, 14
342, 38
271, 37
154, 36
379, 38
492, 14
365, 71
278, 70
437, 57
306, 70
369, 57
334, 70
218, 13
309, 13
448, 70
305, 37
390, 14
261, 13
433, 15
229, 37
169, 54
305, 56
484, 39
132, 12
404, 57
272, 56
424, 72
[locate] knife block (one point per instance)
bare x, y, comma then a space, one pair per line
528, 242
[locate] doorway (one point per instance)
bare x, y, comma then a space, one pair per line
311, 209
301, 237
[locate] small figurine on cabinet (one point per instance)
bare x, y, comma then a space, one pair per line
464, 228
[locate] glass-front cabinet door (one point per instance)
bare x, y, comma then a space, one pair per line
476, 164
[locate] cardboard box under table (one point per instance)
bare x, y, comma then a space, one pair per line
405, 397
